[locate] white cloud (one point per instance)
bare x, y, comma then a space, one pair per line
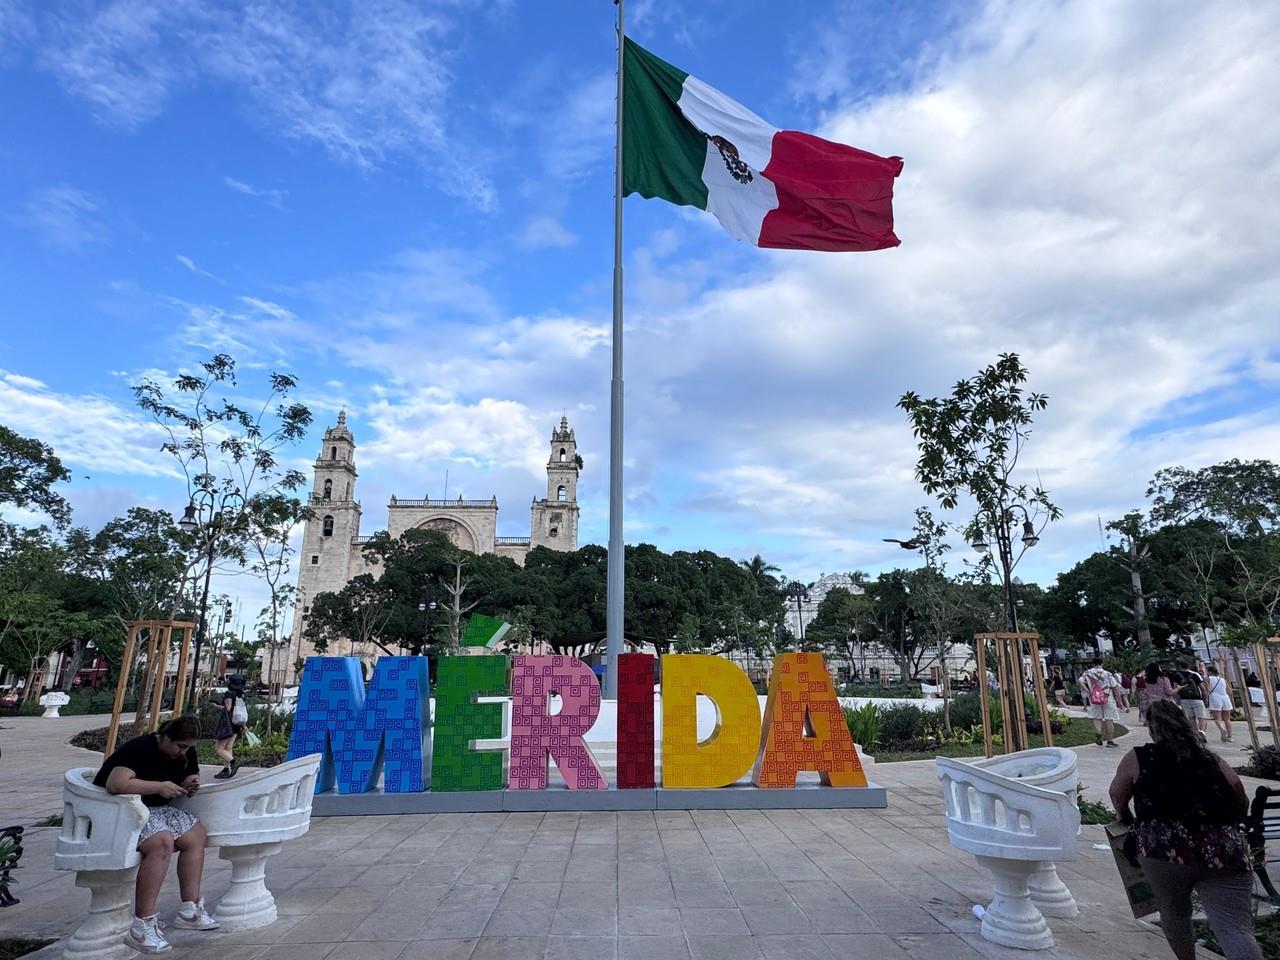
66, 218
542, 232
274, 197
367, 83
85, 430
191, 265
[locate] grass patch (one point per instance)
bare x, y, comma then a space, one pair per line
53, 821
12, 949
1266, 930
1076, 732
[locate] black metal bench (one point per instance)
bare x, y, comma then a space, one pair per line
1262, 825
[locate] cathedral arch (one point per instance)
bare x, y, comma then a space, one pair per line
327, 528
333, 453
564, 455
561, 493
459, 534
328, 489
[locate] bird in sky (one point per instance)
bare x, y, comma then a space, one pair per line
915, 543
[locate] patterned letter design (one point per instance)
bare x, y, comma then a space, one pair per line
804, 727
635, 721
460, 721
536, 735
360, 733
727, 754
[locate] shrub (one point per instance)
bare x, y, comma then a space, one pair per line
864, 724
903, 721
966, 711
1265, 764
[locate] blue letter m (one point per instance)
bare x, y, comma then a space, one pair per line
357, 732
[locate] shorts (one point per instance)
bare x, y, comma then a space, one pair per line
167, 819
1194, 709
1103, 711
1220, 701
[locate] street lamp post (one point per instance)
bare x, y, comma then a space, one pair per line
193, 520
427, 607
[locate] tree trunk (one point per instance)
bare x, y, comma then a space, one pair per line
1139, 598
77, 658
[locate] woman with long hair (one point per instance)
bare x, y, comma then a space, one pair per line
1188, 806
1220, 704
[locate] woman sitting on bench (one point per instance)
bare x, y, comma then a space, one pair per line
160, 767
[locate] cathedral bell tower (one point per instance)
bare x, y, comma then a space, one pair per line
555, 518
325, 561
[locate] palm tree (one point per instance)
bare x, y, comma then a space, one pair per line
761, 571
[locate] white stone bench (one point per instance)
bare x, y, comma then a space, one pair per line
53, 702
1012, 827
247, 820
1052, 768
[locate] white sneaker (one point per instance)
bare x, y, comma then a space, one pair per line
144, 936
193, 916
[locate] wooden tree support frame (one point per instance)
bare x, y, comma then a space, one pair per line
1233, 674
159, 634
1011, 674
1267, 654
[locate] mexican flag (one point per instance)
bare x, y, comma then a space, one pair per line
688, 143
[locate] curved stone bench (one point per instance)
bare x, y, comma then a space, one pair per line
247, 819
1012, 827
1052, 768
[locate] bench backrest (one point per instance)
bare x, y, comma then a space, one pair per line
99, 830
997, 816
1264, 816
263, 806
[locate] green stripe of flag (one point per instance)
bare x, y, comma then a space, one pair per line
662, 153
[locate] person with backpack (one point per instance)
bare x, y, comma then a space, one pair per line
232, 717
1188, 805
160, 767
1099, 689
1190, 687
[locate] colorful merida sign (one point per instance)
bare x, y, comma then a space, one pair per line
386, 728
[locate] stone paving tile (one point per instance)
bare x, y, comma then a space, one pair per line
867, 946
724, 947
509, 948
708, 921
297, 951
439, 950
652, 948
777, 919
585, 922
798, 947
580, 948
647, 921
371, 950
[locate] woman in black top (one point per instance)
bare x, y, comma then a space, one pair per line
1188, 805
1059, 686
160, 767
227, 730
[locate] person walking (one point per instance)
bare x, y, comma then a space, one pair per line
1140, 696
161, 767
1099, 688
1122, 693
1189, 685
232, 716
1059, 687
1219, 704
1187, 808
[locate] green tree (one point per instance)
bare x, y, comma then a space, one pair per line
29, 470
971, 445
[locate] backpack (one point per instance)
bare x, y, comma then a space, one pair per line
239, 712
1098, 694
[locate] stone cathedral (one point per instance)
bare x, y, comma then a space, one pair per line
331, 541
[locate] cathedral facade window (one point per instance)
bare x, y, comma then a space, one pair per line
562, 494
328, 489
327, 530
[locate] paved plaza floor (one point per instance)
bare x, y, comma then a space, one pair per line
877, 884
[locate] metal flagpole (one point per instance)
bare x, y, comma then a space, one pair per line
617, 564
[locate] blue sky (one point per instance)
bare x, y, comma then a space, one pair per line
409, 206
